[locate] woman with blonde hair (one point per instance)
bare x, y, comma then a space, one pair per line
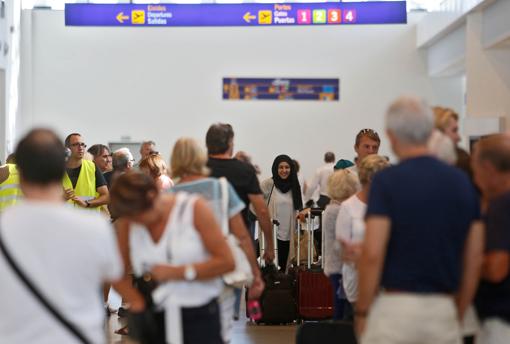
342, 184
188, 164
154, 166
350, 224
447, 121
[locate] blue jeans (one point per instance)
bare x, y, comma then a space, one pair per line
338, 296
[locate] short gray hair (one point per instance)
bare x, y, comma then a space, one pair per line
121, 158
148, 142
410, 119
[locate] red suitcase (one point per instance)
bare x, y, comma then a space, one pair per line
315, 294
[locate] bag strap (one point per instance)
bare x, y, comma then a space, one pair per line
30, 286
224, 205
270, 194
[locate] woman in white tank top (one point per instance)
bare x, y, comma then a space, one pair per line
175, 239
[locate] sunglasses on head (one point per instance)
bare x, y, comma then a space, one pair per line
367, 131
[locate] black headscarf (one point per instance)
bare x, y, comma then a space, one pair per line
291, 183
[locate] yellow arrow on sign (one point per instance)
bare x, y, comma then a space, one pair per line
248, 17
121, 17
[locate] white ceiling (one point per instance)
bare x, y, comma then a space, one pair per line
429, 5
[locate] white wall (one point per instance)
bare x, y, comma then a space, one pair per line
447, 53
10, 64
163, 83
488, 74
3, 108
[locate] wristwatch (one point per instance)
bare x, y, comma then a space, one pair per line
88, 204
190, 273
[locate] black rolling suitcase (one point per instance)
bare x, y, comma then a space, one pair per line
326, 333
278, 303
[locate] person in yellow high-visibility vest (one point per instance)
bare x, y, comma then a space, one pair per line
10, 193
84, 184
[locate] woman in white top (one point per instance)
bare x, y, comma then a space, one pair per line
350, 224
342, 184
282, 193
188, 167
176, 241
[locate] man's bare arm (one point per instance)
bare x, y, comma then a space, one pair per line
102, 199
471, 267
371, 264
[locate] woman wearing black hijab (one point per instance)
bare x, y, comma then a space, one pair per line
283, 197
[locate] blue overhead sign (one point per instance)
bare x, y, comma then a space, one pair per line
281, 89
277, 14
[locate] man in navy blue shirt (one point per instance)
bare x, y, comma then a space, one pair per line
423, 243
491, 167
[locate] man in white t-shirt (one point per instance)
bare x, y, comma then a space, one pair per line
66, 253
320, 181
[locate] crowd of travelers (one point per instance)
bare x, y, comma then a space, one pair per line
417, 251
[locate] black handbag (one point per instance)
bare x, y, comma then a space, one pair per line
148, 326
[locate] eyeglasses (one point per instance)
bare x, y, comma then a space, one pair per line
79, 144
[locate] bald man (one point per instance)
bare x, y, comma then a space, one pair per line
491, 167
66, 253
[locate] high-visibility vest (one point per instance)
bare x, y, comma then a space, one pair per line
10, 193
86, 185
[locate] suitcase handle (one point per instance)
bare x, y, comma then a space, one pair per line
262, 244
298, 242
316, 211
310, 235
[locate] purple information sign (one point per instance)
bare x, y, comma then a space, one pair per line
278, 14
281, 89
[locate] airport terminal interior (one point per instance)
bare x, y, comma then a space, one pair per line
312, 98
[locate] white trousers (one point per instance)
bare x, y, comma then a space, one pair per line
494, 331
405, 318
226, 302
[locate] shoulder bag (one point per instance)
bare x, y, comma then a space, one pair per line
242, 274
